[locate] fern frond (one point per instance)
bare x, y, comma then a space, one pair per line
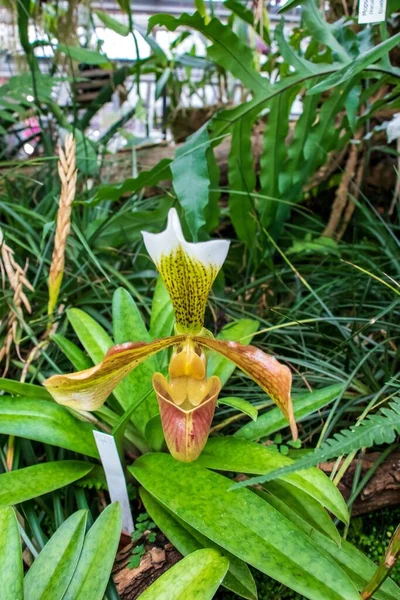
380, 428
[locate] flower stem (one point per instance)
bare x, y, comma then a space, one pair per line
386, 565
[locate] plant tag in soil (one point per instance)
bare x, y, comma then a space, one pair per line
371, 11
115, 476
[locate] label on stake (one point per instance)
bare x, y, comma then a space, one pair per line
115, 476
372, 11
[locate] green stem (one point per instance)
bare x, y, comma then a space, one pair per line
383, 571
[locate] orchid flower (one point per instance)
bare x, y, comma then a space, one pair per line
187, 400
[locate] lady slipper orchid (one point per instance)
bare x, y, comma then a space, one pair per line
188, 399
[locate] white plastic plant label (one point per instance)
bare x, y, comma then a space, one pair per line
115, 476
371, 11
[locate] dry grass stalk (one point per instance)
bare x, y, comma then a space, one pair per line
342, 193
12, 272
68, 174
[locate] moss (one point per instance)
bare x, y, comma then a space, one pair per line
370, 533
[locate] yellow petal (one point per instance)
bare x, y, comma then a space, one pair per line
89, 389
186, 430
273, 377
187, 269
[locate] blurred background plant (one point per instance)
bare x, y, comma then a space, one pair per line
289, 157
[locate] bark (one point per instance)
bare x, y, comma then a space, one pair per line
382, 490
159, 557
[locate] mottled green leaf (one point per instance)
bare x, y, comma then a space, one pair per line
28, 390
308, 510
30, 482
186, 539
46, 422
243, 524
162, 312
197, 576
97, 558
230, 454
11, 568
52, 571
74, 354
129, 326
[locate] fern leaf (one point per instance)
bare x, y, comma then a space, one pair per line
379, 428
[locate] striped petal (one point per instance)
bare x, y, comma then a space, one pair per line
186, 427
89, 389
187, 269
273, 377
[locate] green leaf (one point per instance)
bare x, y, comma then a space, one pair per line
301, 64
52, 571
227, 50
239, 331
196, 576
154, 433
112, 24
188, 540
83, 55
191, 180
11, 567
380, 428
28, 390
242, 178
274, 154
244, 525
31, 482
357, 65
162, 312
92, 336
322, 31
357, 566
304, 405
46, 422
241, 404
129, 326
74, 354
308, 510
230, 454
97, 558
151, 178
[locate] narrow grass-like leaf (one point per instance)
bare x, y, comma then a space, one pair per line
51, 573
46, 422
11, 567
303, 404
97, 558
196, 576
30, 482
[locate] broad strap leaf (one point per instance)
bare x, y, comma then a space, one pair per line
11, 566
